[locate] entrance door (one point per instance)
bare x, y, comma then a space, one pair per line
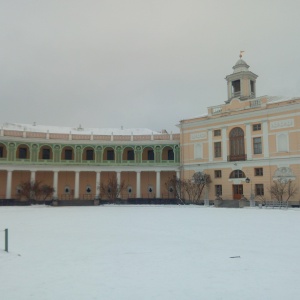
237, 190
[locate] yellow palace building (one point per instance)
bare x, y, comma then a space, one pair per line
244, 145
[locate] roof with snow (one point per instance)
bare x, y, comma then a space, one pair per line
77, 130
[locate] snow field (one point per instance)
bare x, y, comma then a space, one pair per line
149, 252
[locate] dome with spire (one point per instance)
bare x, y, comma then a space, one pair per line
240, 66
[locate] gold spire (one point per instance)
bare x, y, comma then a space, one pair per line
241, 53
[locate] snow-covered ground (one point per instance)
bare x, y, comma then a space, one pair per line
149, 252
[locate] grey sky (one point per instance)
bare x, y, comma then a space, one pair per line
139, 63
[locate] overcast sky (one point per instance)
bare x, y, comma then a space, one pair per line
142, 63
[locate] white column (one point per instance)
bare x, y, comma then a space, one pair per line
118, 178
55, 184
98, 182
265, 138
76, 194
157, 184
177, 174
248, 141
224, 144
8, 185
32, 176
210, 145
138, 184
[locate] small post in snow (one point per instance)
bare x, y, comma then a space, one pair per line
6, 240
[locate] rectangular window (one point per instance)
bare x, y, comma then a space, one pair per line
150, 155
236, 87
110, 155
46, 154
218, 151
90, 154
257, 147
252, 86
1, 151
258, 171
170, 154
218, 190
217, 132
256, 127
68, 154
130, 155
218, 173
259, 190
23, 153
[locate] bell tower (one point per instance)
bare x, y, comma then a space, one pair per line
241, 83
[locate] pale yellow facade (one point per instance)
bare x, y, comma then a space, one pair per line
248, 137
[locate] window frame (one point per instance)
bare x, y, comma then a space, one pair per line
259, 189
218, 173
217, 132
237, 174
218, 190
217, 149
257, 146
258, 171
256, 127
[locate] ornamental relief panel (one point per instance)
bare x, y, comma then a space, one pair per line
282, 124
198, 136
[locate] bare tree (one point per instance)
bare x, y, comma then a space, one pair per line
30, 190
112, 189
192, 188
283, 190
47, 191
177, 185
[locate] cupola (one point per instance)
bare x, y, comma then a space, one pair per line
241, 83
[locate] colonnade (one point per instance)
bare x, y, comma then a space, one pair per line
97, 182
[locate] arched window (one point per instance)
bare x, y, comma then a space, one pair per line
237, 174
237, 147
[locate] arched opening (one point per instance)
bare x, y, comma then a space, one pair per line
3, 151
128, 154
23, 152
67, 153
45, 153
168, 154
237, 146
88, 154
148, 154
109, 154
237, 174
